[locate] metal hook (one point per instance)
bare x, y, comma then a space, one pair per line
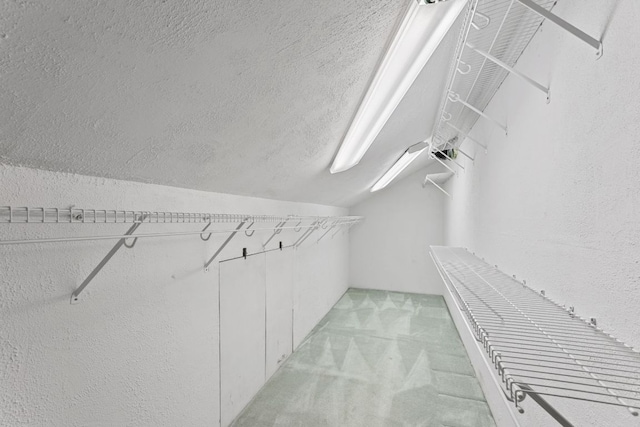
453, 97
135, 239
446, 116
204, 229
297, 228
482, 26
468, 69
246, 230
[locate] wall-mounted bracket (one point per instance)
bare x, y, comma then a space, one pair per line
454, 97
327, 232
122, 242
427, 179
277, 230
513, 71
467, 136
443, 164
452, 160
335, 232
314, 226
226, 242
465, 154
596, 44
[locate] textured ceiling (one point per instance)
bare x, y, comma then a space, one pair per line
249, 98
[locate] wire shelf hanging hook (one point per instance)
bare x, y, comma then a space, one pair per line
135, 239
246, 231
466, 68
202, 235
485, 21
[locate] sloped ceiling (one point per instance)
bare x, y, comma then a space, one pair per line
249, 98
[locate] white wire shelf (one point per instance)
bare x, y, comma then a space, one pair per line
307, 225
537, 347
500, 28
39, 215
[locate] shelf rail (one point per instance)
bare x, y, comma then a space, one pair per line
539, 348
274, 223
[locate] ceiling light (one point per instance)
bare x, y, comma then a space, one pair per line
418, 36
409, 156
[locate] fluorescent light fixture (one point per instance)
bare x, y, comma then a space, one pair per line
421, 31
407, 157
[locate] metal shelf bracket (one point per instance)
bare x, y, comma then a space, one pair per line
454, 97
122, 242
277, 230
465, 135
512, 70
226, 242
444, 164
327, 232
314, 226
596, 44
427, 179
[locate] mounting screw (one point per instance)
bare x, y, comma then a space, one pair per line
542, 292
206, 269
593, 321
524, 282
572, 311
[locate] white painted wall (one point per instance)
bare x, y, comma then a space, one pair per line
390, 249
142, 346
556, 201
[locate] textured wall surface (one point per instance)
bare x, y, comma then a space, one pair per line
248, 98
142, 346
556, 202
390, 249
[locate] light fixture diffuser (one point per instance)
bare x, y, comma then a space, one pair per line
420, 33
401, 164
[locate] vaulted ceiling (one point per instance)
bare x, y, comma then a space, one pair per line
249, 98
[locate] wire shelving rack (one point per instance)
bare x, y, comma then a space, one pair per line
492, 38
224, 223
538, 348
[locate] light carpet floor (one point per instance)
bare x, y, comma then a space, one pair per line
376, 359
